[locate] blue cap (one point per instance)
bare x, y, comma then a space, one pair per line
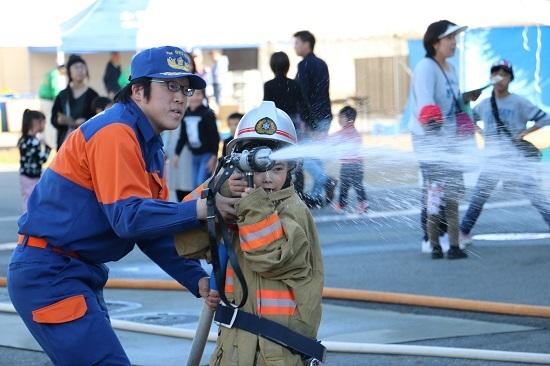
165, 63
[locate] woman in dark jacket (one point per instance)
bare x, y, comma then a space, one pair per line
285, 92
73, 105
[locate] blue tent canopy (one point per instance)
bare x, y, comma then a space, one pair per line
106, 25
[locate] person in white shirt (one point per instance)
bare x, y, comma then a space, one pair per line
435, 99
505, 116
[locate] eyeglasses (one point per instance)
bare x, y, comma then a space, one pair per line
175, 87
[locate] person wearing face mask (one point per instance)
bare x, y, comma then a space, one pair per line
505, 116
435, 99
73, 105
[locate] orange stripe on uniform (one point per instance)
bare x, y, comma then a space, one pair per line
229, 284
260, 225
116, 165
70, 162
275, 294
260, 234
196, 194
275, 302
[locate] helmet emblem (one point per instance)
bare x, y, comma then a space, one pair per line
266, 126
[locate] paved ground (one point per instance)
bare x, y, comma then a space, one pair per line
381, 252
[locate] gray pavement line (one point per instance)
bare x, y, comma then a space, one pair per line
9, 168
9, 218
408, 212
8, 246
346, 347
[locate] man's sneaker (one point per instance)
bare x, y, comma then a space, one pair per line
330, 187
444, 242
426, 247
437, 252
456, 253
362, 208
464, 240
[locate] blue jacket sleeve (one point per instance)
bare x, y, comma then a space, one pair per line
162, 251
136, 218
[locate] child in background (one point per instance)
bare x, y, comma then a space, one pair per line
99, 104
351, 169
232, 122
33, 152
199, 131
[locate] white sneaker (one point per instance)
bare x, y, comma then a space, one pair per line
444, 242
426, 247
464, 240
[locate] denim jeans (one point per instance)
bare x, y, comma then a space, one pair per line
199, 168
315, 169
486, 183
351, 176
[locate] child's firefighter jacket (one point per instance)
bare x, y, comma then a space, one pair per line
279, 254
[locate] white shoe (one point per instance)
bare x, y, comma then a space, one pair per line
426, 247
444, 242
464, 240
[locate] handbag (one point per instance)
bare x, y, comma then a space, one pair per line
527, 149
464, 125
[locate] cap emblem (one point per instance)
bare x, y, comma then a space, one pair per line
178, 60
266, 126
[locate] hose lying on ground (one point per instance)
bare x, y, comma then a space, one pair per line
365, 295
349, 347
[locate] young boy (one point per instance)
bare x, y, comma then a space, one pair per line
351, 169
277, 247
505, 116
232, 122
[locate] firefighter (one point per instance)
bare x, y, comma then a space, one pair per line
105, 192
277, 247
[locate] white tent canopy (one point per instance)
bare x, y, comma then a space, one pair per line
221, 23
251, 23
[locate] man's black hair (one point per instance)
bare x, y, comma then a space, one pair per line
306, 36
125, 94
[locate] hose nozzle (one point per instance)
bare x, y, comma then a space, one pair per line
254, 160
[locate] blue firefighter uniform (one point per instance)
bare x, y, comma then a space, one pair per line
104, 193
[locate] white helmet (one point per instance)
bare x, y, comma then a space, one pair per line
265, 122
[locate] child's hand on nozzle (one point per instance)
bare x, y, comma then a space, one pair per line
237, 183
